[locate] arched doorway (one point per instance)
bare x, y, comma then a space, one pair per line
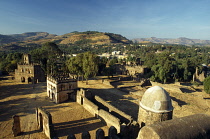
29, 79
22, 79
53, 97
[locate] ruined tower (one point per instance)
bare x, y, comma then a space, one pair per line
155, 106
27, 59
29, 72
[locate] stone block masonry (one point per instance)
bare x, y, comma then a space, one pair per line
189, 127
28, 72
16, 125
124, 118
44, 122
90, 106
109, 119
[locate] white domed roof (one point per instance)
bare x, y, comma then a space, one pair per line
157, 100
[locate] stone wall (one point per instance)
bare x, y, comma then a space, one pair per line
112, 134
44, 122
106, 112
132, 70
124, 118
16, 125
109, 119
146, 117
106, 82
90, 106
168, 88
94, 110
189, 127
199, 77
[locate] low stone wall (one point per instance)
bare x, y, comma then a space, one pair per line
107, 113
112, 134
109, 119
44, 122
105, 116
106, 82
90, 106
124, 118
189, 127
167, 87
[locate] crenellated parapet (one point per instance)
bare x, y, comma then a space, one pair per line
60, 78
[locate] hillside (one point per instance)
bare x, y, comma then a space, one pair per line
4, 39
91, 37
181, 40
32, 36
33, 39
29, 36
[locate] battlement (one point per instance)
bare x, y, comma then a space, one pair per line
60, 78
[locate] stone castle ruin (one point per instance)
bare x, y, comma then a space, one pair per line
108, 113
136, 72
61, 87
28, 72
154, 118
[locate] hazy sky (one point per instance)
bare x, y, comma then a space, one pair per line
130, 18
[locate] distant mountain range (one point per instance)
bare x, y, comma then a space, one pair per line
34, 39
181, 40
29, 36
93, 37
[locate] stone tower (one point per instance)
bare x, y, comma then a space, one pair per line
27, 59
155, 106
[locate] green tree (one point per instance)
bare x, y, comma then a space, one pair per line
74, 65
162, 70
90, 65
206, 84
48, 56
84, 64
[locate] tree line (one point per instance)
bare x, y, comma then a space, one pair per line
167, 63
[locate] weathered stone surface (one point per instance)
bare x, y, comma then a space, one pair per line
155, 106
189, 127
16, 125
44, 121
146, 117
